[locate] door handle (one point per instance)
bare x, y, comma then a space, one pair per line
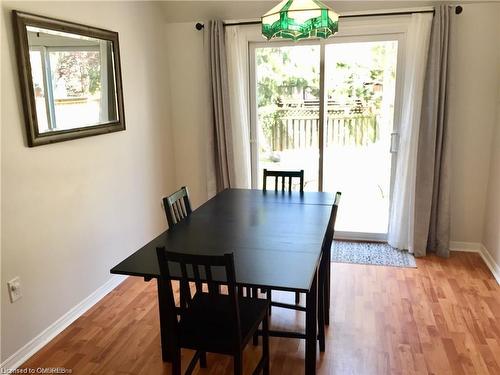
394, 143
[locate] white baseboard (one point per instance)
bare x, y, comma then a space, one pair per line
23, 354
476, 247
490, 262
469, 247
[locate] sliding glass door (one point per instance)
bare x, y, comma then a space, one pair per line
360, 86
329, 108
287, 81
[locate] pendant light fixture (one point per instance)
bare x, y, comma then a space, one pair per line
299, 19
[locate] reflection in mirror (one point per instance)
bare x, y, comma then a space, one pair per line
73, 80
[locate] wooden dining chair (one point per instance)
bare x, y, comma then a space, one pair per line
177, 206
324, 278
285, 176
210, 321
325, 274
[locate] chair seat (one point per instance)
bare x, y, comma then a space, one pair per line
207, 324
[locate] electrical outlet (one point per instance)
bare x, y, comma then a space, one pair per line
14, 286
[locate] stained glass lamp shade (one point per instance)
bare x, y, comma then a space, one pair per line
299, 19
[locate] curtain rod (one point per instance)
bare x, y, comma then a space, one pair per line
458, 10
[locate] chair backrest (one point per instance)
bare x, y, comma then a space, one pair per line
197, 268
330, 229
177, 206
284, 175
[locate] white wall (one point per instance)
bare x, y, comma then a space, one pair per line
491, 231
473, 102
1, 289
491, 234
473, 86
73, 210
190, 103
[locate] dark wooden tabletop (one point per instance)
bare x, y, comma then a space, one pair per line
275, 237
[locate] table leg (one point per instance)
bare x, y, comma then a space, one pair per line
311, 327
321, 306
326, 290
162, 303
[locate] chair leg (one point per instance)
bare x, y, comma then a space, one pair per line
166, 354
203, 359
269, 298
238, 364
297, 298
183, 294
176, 362
265, 344
255, 340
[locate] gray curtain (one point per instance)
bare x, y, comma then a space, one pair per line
432, 196
221, 114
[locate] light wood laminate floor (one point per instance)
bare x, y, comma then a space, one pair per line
441, 318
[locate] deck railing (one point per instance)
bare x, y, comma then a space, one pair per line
299, 128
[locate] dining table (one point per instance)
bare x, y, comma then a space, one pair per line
276, 239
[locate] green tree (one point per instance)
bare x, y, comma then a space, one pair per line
287, 74
280, 78
80, 71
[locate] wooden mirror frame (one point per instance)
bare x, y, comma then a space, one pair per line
21, 20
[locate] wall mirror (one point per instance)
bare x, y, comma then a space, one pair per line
70, 79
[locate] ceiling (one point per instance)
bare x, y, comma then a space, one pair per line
186, 11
